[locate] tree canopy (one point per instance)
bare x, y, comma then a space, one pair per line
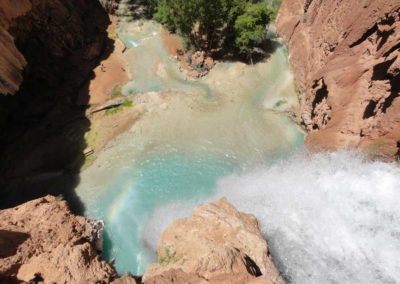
210, 25
250, 26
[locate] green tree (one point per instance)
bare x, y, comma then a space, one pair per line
250, 27
209, 25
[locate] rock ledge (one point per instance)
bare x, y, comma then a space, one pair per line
217, 244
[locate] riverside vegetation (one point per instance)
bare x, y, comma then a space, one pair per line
217, 25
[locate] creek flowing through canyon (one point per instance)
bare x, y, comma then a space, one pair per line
327, 217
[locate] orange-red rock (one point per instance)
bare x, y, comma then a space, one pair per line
42, 239
217, 244
12, 61
345, 59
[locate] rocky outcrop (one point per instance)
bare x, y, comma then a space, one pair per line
345, 59
217, 244
42, 240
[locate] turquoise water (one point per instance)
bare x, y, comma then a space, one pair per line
163, 178
191, 134
153, 70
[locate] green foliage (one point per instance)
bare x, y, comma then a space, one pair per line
165, 256
117, 109
250, 26
127, 103
209, 25
163, 15
274, 5
88, 161
112, 32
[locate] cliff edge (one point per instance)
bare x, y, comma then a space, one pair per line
346, 63
42, 240
217, 244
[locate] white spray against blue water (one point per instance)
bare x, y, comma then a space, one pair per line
329, 218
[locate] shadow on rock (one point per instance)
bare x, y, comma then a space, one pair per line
10, 241
42, 146
259, 54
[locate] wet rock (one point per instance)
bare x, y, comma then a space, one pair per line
217, 244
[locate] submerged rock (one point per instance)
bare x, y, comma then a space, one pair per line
42, 239
217, 244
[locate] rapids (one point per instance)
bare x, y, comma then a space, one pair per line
328, 217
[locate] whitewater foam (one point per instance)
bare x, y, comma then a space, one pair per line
329, 218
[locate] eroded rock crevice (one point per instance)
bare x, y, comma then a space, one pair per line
353, 48
320, 114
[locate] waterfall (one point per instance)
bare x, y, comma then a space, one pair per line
328, 217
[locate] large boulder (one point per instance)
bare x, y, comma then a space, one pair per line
43, 240
217, 244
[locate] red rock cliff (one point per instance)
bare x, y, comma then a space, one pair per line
48, 51
43, 240
345, 58
11, 60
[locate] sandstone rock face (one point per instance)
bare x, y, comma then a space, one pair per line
345, 59
217, 244
44, 35
11, 60
41, 239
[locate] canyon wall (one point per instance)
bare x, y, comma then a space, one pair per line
345, 58
12, 61
44, 37
48, 52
